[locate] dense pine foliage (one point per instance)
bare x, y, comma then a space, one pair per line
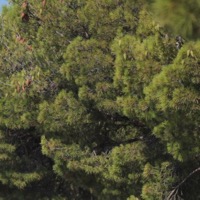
98, 101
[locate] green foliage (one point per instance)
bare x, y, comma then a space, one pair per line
97, 102
181, 16
162, 174
175, 93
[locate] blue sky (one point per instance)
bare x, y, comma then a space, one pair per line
2, 2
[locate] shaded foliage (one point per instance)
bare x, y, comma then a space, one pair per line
97, 102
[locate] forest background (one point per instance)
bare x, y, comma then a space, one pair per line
100, 100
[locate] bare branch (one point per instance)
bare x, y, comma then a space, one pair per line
175, 190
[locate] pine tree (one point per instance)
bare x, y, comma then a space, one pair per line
181, 17
96, 102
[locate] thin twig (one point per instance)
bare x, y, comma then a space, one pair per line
175, 190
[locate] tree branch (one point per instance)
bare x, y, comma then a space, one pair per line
175, 190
